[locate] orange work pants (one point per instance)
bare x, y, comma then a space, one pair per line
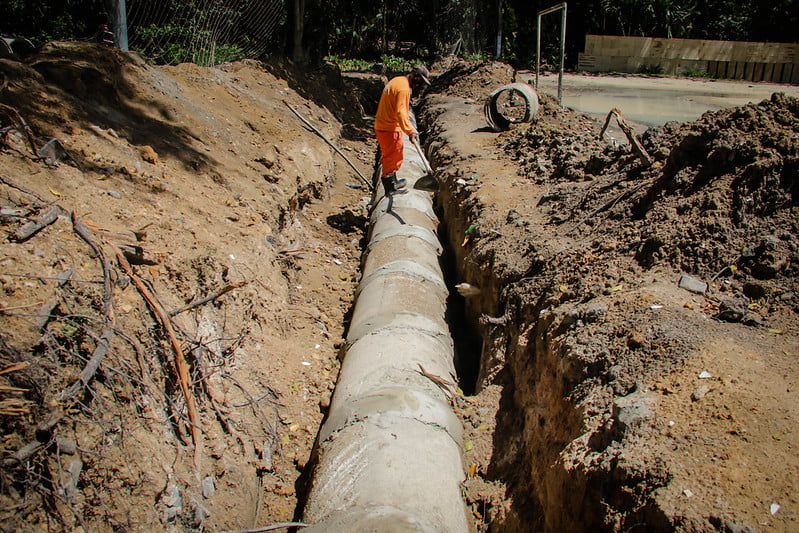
391, 147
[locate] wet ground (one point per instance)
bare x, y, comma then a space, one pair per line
653, 101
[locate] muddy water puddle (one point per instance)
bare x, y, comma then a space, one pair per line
652, 101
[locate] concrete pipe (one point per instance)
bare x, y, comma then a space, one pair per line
497, 120
388, 457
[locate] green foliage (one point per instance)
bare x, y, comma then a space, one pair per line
477, 57
47, 20
690, 72
350, 65
395, 64
651, 70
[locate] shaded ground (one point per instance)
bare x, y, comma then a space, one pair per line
609, 396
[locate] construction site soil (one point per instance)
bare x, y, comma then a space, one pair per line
170, 328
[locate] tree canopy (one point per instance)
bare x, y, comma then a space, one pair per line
312, 29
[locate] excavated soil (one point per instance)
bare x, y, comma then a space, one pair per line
209, 182
606, 397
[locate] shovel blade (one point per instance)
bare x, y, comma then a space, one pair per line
426, 183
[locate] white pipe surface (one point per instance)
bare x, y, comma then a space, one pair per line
388, 457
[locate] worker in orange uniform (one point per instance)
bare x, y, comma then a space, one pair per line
392, 120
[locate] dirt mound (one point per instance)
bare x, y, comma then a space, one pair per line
166, 267
610, 395
720, 201
470, 79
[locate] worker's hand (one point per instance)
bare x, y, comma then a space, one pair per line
415, 138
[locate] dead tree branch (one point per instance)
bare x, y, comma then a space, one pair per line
20, 124
628, 131
224, 290
330, 143
181, 365
20, 188
45, 218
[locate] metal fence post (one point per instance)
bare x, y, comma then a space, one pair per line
562, 46
119, 23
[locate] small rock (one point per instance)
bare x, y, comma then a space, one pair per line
114, 194
632, 410
755, 290
148, 154
705, 375
324, 401
66, 446
208, 487
200, 513
594, 312
731, 310
635, 339
172, 501
692, 284
700, 392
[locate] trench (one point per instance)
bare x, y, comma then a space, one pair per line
467, 340
388, 455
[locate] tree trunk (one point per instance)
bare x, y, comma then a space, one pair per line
296, 27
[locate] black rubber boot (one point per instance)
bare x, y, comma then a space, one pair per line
388, 184
393, 186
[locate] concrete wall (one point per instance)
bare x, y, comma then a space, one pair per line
772, 62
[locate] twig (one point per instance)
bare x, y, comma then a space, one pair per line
47, 217
27, 191
5, 310
438, 380
211, 298
20, 124
330, 143
108, 313
628, 131
273, 527
609, 204
181, 366
52, 278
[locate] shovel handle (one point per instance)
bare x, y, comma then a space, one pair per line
421, 154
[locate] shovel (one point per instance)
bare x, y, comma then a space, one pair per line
427, 182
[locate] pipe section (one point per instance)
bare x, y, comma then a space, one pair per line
494, 116
388, 457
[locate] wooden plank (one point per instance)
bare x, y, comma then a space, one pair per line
768, 72
787, 70
758, 74
749, 71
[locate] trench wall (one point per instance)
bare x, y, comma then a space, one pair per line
769, 62
524, 352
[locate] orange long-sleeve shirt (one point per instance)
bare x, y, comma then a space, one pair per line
392, 112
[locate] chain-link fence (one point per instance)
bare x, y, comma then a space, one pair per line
206, 32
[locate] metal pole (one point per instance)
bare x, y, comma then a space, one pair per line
562, 47
119, 21
562, 54
499, 29
537, 50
